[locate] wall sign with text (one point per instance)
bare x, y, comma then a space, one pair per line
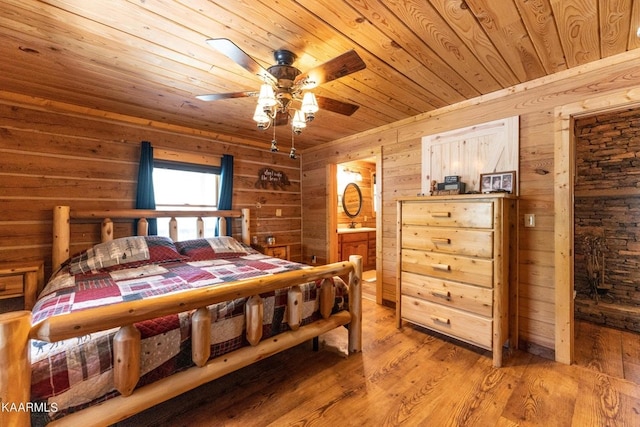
270, 177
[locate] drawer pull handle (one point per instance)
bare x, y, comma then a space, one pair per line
442, 267
441, 214
441, 320
446, 296
441, 240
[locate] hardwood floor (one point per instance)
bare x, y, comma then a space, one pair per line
369, 285
408, 377
610, 351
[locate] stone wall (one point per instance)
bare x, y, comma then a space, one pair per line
607, 208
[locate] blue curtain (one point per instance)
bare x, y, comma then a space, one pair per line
145, 198
226, 189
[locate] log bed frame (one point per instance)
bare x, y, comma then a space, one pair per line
16, 329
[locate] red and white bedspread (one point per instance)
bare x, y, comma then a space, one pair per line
74, 373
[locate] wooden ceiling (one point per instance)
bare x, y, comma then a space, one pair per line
149, 58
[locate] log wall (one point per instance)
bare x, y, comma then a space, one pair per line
55, 156
400, 145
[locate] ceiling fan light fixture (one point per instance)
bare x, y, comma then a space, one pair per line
260, 117
283, 83
299, 122
309, 106
267, 97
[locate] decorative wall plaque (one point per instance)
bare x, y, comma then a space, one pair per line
268, 176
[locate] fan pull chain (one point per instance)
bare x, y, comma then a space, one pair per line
292, 153
274, 143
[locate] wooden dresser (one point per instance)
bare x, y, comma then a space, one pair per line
454, 273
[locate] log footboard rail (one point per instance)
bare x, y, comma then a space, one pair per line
17, 331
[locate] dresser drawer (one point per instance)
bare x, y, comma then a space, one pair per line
354, 237
476, 271
11, 286
449, 214
477, 243
459, 324
277, 251
469, 298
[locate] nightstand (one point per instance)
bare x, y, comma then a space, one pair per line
276, 251
21, 279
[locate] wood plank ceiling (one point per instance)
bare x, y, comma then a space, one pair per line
149, 58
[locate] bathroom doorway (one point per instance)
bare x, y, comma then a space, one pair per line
355, 217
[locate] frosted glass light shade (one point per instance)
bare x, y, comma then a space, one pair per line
309, 103
260, 116
267, 97
299, 121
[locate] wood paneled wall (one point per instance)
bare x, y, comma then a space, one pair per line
400, 144
53, 155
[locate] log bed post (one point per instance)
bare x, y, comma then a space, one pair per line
254, 314
201, 336
355, 304
15, 375
327, 297
106, 231
61, 235
173, 229
246, 238
294, 307
143, 227
126, 359
222, 226
199, 227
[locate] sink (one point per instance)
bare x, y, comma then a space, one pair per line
355, 230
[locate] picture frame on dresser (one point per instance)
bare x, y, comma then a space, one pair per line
497, 182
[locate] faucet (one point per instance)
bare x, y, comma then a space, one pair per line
352, 225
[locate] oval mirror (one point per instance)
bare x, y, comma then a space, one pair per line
352, 200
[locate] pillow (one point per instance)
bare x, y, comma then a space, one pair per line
213, 248
126, 250
162, 249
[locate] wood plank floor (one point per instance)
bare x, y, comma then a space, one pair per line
369, 285
610, 351
411, 378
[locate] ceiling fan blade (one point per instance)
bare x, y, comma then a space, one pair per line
217, 96
340, 66
233, 52
336, 106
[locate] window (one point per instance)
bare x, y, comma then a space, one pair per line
185, 186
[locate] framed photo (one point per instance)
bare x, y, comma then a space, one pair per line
498, 182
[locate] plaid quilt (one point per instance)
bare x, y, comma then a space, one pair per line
75, 373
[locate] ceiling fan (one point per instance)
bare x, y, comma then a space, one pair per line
285, 87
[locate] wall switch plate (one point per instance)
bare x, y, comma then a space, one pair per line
529, 220
278, 212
